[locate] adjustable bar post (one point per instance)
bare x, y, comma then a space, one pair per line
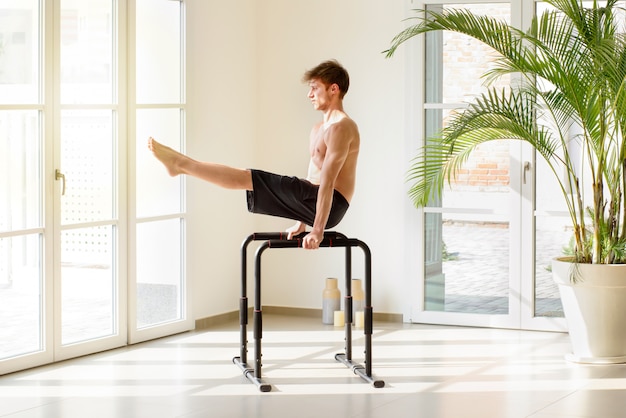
364, 372
242, 360
349, 304
243, 302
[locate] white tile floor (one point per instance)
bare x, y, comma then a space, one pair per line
429, 371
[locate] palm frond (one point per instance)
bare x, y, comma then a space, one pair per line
572, 65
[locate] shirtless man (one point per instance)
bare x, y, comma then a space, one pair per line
323, 198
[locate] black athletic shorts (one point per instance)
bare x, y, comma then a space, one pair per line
291, 198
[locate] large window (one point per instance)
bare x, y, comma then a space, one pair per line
22, 233
160, 199
84, 216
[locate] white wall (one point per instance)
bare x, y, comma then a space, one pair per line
248, 107
221, 126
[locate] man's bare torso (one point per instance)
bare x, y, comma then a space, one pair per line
346, 135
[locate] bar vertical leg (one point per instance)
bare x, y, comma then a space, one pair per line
258, 322
243, 303
369, 320
242, 360
243, 322
364, 372
368, 339
348, 304
252, 374
369, 312
258, 335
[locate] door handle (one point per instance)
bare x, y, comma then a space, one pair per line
526, 168
60, 176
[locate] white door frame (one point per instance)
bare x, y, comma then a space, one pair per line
521, 260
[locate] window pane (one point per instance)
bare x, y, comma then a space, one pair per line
464, 59
159, 272
483, 181
88, 284
86, 51
157, 192
20, 295
551, 233
553, 229
462, 274
158, 51
87, 162
466, 266
19, 51
20, 170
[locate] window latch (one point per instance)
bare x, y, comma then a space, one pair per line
60, 176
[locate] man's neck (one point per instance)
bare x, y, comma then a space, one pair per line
334, 113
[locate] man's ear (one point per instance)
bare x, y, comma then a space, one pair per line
334, 88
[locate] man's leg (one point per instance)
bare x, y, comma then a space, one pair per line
218, 174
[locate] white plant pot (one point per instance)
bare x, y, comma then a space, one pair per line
595, 310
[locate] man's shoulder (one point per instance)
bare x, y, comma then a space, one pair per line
347, 131
343, 134
343, 125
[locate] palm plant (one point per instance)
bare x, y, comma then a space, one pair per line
572, 66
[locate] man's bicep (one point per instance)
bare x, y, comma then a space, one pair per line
334, 160
337, 150
338, 143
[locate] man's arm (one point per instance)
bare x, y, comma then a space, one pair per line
298, 228
337, 148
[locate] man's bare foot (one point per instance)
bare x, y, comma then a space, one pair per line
171, 159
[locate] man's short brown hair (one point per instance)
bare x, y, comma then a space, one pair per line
330, 72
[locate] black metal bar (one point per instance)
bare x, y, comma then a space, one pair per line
368, 339
249, 374
279, 240
243, 302
349, 305
359, 370
242, 360
258, 313
368, 311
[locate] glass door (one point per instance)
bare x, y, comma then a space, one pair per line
484, 242
91, 295
71, 171
24, 304
471, 269
550, 224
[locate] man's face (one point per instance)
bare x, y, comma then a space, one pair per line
319, 94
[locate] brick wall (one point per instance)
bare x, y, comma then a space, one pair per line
464, 61
487, 169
